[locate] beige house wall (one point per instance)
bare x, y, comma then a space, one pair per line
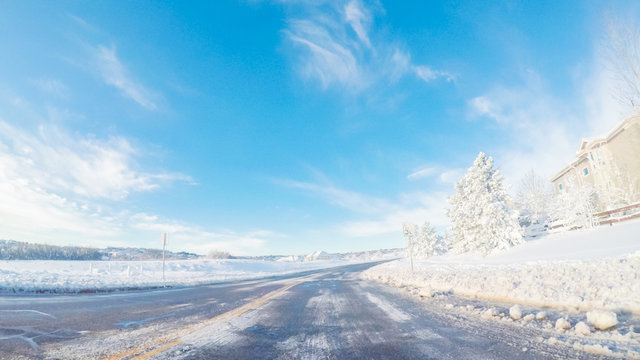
612, 161
624, 150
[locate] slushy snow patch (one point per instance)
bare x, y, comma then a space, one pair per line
602, 320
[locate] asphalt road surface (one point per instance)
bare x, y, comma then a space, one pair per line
323, 314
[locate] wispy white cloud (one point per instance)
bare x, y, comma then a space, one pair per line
359, 19
442, 174
545, 131
422, 173
51, 86
80, 21
202, 241
401, 65
327, 60
114, 73
414, 207
373, 216
61, 188
64, 189
350, 200
339, 46
81, 165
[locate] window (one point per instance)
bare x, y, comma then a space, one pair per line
560, 187
586, 171
591, 154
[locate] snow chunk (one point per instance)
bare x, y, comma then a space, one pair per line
541, 315
582, 328
602, 320
489, 313
562, 324
515, 312
528, 318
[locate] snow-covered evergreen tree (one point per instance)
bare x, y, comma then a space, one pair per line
482, 219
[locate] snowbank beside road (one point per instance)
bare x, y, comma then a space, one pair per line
577, 271
90, 276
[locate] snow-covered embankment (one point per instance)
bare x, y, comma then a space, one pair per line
577, 271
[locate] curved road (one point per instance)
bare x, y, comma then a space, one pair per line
322, 314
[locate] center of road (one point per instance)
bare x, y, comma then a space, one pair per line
165, 343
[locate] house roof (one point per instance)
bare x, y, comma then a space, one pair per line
589, 142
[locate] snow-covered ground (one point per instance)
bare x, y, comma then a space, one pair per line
576, 283
575, 271
75, 276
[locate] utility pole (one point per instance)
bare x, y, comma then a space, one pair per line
165, 239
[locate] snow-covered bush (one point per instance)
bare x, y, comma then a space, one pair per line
423, 241
482, 219
574, 207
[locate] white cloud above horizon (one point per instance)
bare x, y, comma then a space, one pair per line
65, 189
337, 44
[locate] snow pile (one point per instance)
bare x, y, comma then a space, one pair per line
321, 255
602, 320
578, 271
89, 276
515, 312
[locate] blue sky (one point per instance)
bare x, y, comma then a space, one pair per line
283, 127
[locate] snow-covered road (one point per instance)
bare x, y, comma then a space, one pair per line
330, 313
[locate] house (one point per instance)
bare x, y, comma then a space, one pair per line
609, 163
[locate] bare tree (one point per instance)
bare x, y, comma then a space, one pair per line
533, 199
623, 58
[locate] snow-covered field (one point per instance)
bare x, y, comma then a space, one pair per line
75, 276
574, 284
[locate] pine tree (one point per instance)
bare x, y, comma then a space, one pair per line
482, 219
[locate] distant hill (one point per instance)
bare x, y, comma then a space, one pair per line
18, 250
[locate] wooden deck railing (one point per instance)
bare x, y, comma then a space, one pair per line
606, 217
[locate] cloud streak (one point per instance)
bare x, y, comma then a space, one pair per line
337, 45
203, 241
114, 73
374, 216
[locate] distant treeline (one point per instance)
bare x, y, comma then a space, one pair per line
18, 250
